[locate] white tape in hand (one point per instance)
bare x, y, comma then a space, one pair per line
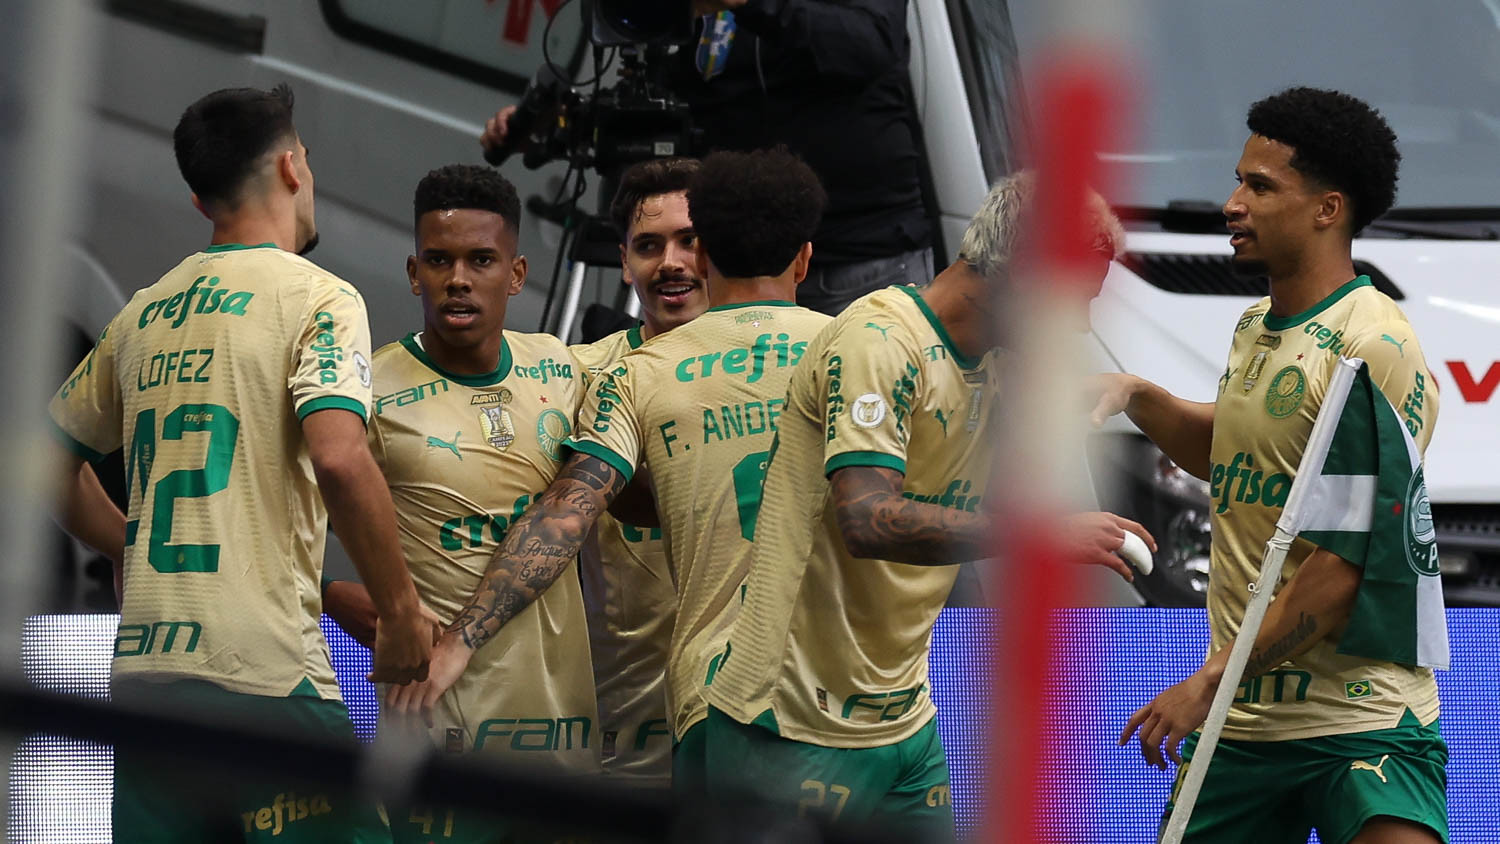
1135, 551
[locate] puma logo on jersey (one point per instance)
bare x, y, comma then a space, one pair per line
1362, 765
943, 418
434, 442
1400, 347
881, 329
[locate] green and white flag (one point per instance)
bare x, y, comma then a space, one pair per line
1368, 504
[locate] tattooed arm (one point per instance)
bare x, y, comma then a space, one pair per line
1311, 606
877, 523
536, 550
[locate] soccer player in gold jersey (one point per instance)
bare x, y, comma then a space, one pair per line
468, 428
240, 384
874, 493
1317, 738
700, 406
627, 584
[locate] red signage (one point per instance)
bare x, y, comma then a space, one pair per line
1474, 392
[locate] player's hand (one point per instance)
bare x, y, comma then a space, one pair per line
450, 656
1093, 539
1109, 394
1172, 715
403, 646
348, 603
496, 128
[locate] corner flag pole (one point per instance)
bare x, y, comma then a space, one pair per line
1287, 528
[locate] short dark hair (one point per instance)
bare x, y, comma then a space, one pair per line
220, 137
1337, 140
468, 186
752, 211
646, 179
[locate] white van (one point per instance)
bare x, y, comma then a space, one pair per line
387, 90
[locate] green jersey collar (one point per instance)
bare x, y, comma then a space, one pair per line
486, 380
633, 336
1276, 323
234, 247
959, 358
764, 303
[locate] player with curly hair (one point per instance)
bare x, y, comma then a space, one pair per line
1318, 737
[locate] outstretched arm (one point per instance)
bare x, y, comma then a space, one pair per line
1182, 429
538, 548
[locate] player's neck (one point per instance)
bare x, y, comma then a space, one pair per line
251, 226
955, 298
739, 291
481, 359
1310, 283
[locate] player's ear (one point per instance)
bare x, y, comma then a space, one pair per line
624, 268
517, 274
411, 275
198, 204
799, 263
286, 169
1332, 208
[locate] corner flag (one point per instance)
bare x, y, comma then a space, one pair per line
1367, 502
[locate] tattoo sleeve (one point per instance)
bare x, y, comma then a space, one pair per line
878, 523
539, 546
1264, 659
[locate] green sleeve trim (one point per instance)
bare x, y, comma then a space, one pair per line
863, 458
323, 585
615, 461
332, 403
73, 445
1276, 323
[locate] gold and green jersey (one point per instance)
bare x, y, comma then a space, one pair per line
700, 405
1277, 375
830, 649
627, 587
203, 379
464, 456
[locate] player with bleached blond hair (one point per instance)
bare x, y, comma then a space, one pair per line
875, 491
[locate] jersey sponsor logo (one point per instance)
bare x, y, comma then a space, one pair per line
1400, 347
939, 795
609, 396
435, 442
868, 410
211, 299
469, 531
903, 390
1249, 320
886, 706
325, 346
362, 368
453, 740
747, 361
1270, 341
552, 427
936, 353
1333, 341
1253, 487
1359, 689
1273, 687
285, 809
159, 637
545, 370
1285, 392
955, 497
835, 393
536, 734
1411, 406
1417, 528
881, 328
1226, 377
1362, 765
411, 395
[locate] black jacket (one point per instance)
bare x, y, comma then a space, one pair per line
827, 78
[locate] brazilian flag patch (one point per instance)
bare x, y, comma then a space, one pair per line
1358, 689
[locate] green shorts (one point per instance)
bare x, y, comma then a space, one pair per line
1277, 792
159, 799
901, 789
690, 762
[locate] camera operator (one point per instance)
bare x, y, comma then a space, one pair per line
827, 78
